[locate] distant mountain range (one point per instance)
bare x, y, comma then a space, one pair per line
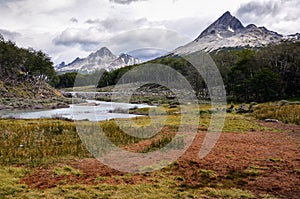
226, 32
229, 32
101, 59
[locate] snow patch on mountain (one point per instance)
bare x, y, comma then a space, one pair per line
230, 29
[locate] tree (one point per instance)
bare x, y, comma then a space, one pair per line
38, 64
18, 64
264, 85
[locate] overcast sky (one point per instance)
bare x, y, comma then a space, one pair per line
66, 29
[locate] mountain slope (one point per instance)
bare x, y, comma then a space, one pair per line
229, 32
101, 59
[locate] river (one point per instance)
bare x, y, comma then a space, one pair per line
92, 110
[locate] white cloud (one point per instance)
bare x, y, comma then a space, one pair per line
66, 29
86, 39
146, 38
73, 20
125, 1
282, 16
9, 35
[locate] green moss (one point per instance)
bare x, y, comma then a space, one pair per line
272, 159
66, 170
9, 181
297, 171
228, 193
207, 173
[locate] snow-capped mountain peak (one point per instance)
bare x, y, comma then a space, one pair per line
228, 32
102, 52
226, 23
101, 59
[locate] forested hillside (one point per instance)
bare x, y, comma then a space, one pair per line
25, 73
264, 74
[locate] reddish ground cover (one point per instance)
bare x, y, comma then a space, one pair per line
262, 162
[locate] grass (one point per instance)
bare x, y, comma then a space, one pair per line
207, 173
9, 181
35, 142
32, 143
258, 167
228, 193
161, 185
286, 113
66, 171
272, 159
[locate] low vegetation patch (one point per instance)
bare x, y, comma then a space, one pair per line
228, 193
35, 142
283, 111
9, 181
65, 171
272, 159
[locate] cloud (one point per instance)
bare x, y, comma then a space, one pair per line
259, 8
9, 35
86, 39
125, 1
157, 38
93, 21
117, 24
282, 16
73, 20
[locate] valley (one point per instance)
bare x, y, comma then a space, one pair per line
108, 126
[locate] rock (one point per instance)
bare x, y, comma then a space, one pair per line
283, 102
294, 103
66, 94
62, 105
38, 107
271, 120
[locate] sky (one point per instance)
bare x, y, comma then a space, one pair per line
66, 29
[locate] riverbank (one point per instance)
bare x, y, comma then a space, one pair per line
35, 104
30, 96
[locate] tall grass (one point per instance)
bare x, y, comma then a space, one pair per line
287, 113
36, 141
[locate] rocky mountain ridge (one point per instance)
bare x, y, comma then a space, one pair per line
101, 59
229, 32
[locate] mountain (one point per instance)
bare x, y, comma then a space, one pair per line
229, 32
101, 59
225, 25
294, 37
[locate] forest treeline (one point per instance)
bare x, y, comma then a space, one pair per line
25, 65
265, 74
